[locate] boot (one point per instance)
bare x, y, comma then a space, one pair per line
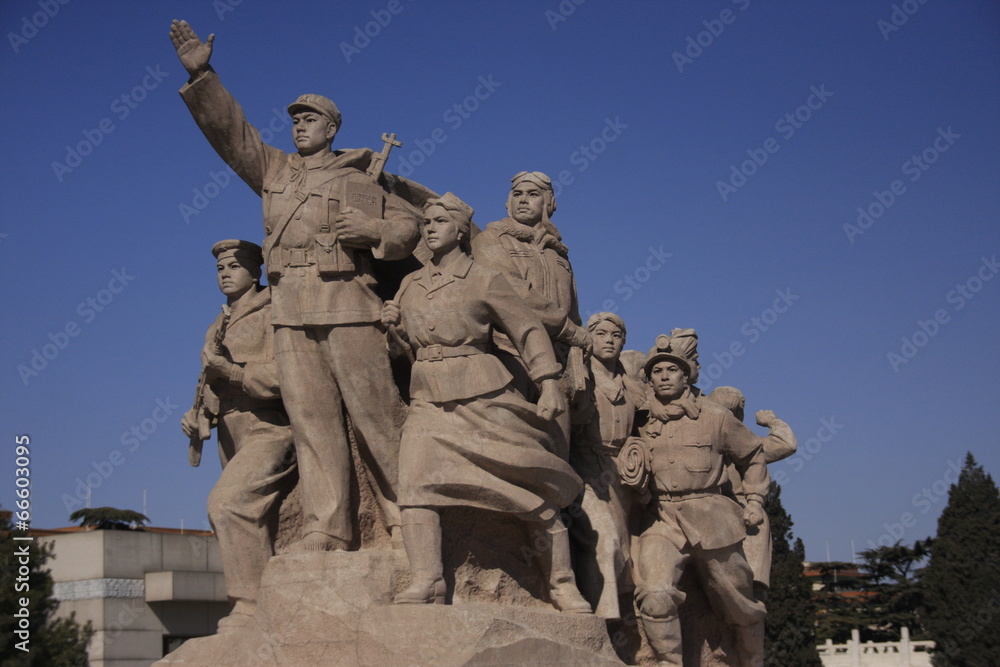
422, 539
750, 643
317, 541
563, 593
664, 637
241, 615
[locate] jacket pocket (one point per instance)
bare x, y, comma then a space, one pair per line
270, 192
332, 259
698, 457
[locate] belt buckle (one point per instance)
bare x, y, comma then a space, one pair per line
297, 257
433, 353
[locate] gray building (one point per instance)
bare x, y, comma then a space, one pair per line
144, 591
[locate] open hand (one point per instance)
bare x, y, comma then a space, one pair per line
194, 53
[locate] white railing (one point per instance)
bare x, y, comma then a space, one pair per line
904, 653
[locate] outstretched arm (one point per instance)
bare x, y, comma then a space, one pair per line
217, 113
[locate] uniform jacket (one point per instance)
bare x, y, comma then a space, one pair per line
688, 465
462, 308
616, 397
541, 276
247, 343
315, 280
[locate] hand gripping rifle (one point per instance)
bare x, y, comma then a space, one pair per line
204, 425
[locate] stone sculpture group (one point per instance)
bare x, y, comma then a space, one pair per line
463, 381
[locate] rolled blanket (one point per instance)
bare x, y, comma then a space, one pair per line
634, 464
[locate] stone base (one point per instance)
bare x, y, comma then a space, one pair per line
335, 608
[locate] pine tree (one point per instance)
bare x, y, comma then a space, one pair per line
962, 580
840, 601
109, 518
790, 634
894, 590
51, 641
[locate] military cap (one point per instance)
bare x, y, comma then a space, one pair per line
321, 105
241, 249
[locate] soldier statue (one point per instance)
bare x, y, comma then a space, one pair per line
240, 395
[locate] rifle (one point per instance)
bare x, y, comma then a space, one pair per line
379, 159
375, 170
204, 426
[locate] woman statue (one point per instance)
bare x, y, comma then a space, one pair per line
469, 439
602, 532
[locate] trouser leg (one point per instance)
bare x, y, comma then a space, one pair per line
361, 369
600, 555
242, 506
660, 565
728, 575
313, 401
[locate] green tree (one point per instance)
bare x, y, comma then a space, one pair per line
790, 633
109, 518
962, 580
840, 601
895, 594
51, 642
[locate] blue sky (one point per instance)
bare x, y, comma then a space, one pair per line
712, 159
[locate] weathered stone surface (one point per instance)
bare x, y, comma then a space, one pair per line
334, 608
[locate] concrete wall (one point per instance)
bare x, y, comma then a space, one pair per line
101, 576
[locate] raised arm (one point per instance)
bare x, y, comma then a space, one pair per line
781, 442
217, 112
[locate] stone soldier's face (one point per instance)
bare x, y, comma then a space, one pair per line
440, 231
236, 275
669, 380
608, 341
311, 132
527, 201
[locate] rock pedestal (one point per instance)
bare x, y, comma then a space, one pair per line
335, 608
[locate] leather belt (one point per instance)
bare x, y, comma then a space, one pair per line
439, 352
675, 497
